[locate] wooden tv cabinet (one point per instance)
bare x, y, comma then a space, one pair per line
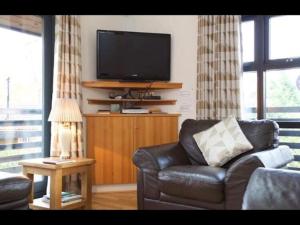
113, 138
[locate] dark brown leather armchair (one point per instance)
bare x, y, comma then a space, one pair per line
14, 191
176, 176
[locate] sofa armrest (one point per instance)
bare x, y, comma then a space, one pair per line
239, 172
14, 191
277, 157
160, 157
273, 189
150, 160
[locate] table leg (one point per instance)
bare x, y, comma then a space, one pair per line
86, 187
31, 177
55, 189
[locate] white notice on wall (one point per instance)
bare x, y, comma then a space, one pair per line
185, 100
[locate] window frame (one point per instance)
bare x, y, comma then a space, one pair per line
47, 81
48, 36
262, 63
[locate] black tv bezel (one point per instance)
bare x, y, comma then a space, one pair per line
98, 76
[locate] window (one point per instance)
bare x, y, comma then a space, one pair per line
272, 76
24, 133
284, 37
249, 95
21, 93
283, 94
248, 41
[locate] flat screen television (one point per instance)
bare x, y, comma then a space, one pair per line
124, 55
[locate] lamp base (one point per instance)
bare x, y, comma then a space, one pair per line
64, 156
65, 141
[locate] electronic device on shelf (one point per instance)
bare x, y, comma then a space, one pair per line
135, 110
152, 97
113, 95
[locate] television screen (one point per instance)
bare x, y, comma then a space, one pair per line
133, 55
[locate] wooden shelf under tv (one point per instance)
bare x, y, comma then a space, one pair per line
135, 101
156, 85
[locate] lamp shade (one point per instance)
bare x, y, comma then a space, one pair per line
65, 110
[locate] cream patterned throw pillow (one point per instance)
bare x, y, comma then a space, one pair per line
222, 142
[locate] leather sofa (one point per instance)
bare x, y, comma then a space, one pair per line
14, 191
269, 188
176, 176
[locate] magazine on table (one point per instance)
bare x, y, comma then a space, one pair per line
58, 161
65, 197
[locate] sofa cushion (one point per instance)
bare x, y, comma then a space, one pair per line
13, 187
222, 142
203, 183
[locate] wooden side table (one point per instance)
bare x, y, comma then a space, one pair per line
56, 172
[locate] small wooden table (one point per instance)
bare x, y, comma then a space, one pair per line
56, 172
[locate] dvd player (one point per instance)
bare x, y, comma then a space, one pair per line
135, 111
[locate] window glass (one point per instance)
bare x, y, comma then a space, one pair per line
283, 94
20, 90
249, 95
284, 36
248, 41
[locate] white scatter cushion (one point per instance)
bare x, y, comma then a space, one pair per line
222, 142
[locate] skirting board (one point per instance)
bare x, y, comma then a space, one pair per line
113, 188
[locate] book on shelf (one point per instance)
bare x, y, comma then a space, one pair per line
65, 197
58, 161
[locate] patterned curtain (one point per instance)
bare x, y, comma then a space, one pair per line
67, 77
218, 66
66, 84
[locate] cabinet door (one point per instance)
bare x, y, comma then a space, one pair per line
112, 146
155, 130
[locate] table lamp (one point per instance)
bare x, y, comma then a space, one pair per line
65, 111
